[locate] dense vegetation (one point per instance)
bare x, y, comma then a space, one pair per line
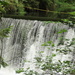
45, 8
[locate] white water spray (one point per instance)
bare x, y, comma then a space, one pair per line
8, 71
25, 41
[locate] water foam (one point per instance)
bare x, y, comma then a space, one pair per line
8, 71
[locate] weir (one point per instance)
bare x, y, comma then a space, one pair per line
27, 36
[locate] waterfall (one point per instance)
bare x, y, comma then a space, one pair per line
27, 36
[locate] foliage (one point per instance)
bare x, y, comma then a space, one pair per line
13, 7
10, 8
27, 71
22, 7
20, 70
52, 65
68, 22
72, 13
31, 3
63, 30
2, 62
3, 33
2, 9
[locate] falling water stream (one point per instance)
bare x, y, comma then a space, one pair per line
25, 40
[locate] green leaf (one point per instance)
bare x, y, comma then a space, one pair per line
38, 59
20, 70
65, 20
45, 44
72, 43
57, 49
63, 30
53, 55
73, 39
67, 39
53, 45
2, 62
49, 42
67, 62
4, 32
41, 51
72, 13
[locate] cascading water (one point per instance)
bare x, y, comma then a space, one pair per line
25, 40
